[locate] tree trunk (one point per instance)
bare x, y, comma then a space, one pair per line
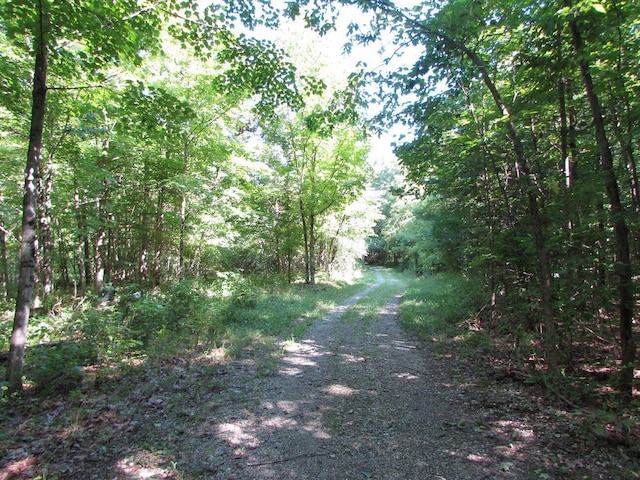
81, 253
307, 253
26, 279
183, 234
101, 247
63, 255
4, 265
99, 258
143, 258
544, 264
621, 230
46, 240
312, 250
183, 210
158, 237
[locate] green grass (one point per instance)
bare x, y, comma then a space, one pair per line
437, 307
232, 316
368, 308
181, 320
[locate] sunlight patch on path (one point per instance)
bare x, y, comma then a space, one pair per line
352, 400
339, 390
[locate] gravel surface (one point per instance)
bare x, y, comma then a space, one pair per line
356, 400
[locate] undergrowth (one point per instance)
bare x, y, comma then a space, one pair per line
443, 309
437, 307
192, 316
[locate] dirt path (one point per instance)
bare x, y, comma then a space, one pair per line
356, 398
353, 400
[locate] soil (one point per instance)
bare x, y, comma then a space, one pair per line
353, 399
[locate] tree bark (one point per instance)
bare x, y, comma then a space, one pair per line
312, 249
158, 247
143, 259
28, 245
621, 230
4, 265
307, 253
183, 207
100, 247
82, 260
46, 239
63, 255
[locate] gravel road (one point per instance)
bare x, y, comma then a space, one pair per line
355, 400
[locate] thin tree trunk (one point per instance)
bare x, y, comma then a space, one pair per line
63, 255
86, 259
158, 250
81, 239
307, 254
183, 234
544, 264
28, 243
100, 250
4, 265
312, 250
45, 187
98, 259
183, 209
621, 230
46, 240
143, 259
332, 248
572, 162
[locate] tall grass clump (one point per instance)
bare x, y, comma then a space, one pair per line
437, 307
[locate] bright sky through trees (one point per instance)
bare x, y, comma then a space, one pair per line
333, 64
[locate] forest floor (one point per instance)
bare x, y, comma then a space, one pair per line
355, 398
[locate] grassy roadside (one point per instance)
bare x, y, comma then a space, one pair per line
438, 307
443, 309
230, 316
435, 307
119, 389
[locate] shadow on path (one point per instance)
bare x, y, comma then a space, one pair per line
353, 399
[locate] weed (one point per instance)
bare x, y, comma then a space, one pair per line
437, 306
184, 318
58, 367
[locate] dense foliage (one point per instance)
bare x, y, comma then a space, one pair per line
179, 146
159, 149
523, 161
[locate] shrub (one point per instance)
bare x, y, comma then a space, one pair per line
58, 367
